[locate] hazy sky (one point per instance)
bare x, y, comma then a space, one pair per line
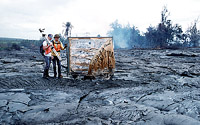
23, 18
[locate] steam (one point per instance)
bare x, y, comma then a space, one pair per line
125, 36
121, 35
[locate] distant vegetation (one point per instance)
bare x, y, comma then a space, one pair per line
17, 44
164, 35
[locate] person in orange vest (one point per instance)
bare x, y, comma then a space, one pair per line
58, 47
47, 55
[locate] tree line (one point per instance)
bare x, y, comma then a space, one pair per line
163, 36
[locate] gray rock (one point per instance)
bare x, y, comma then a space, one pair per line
150, 87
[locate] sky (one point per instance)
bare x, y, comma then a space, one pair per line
23, 18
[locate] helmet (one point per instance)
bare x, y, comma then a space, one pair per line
50, 35
56, 36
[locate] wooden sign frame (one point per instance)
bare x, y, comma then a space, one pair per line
82, 51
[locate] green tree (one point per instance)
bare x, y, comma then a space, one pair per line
165, 34
193, 34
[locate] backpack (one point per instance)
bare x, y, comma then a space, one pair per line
42, 50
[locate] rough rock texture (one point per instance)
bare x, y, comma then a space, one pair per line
150, 87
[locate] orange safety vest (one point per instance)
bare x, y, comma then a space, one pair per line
57, 46
48, 50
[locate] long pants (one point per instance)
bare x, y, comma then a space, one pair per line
55, 59
48, 62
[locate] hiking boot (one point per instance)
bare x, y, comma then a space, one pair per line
60, 76
45, 73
